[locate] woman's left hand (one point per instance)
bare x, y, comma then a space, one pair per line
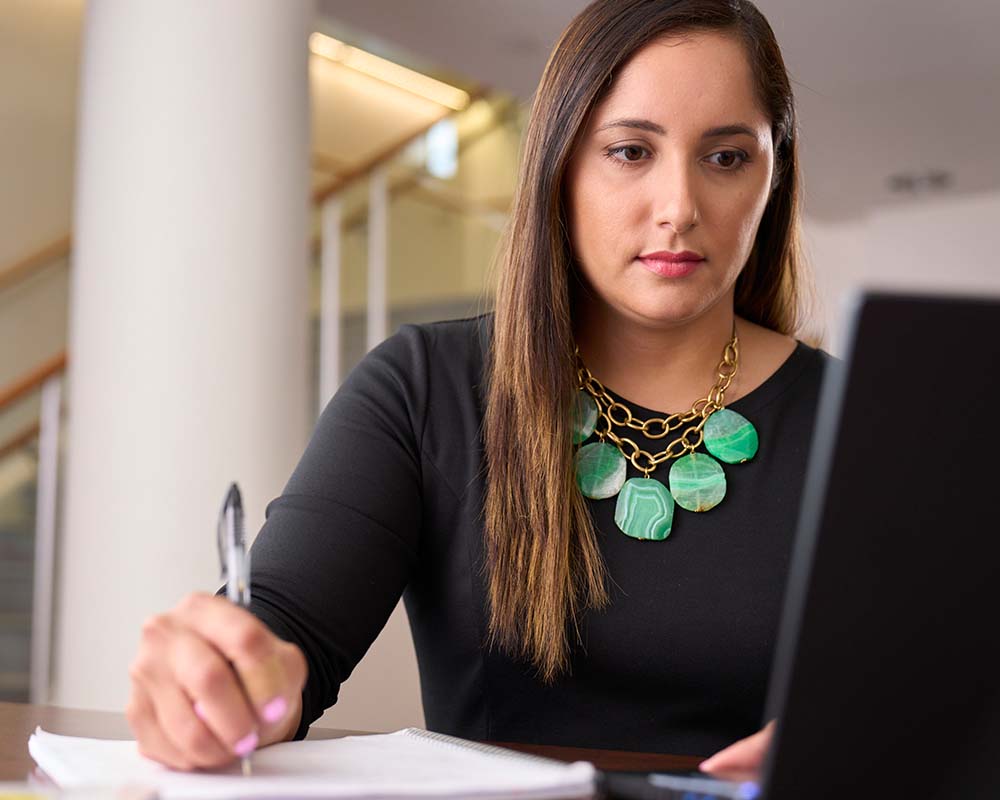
743, 758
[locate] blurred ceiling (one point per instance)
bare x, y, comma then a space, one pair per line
381, 116
887, 87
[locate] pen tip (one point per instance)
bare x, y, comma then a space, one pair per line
233, 497
247, 771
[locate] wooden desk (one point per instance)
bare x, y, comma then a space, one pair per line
19, 720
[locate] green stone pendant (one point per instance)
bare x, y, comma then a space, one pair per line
584, 416
730, 437
697, 482
600, 470
645, 509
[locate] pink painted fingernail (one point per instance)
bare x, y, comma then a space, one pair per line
199, 710
246, 745
275, 709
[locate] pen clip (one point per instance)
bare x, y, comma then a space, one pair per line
233, 557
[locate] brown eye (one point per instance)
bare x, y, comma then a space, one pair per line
730, 160
627, 153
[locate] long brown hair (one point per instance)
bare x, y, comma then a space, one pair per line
543, 563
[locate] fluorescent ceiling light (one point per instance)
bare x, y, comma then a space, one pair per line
388, 72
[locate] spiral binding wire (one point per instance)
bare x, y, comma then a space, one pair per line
487, 749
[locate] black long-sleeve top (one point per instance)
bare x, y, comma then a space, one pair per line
387, 500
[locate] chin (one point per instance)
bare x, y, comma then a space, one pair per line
665, 313
655, 302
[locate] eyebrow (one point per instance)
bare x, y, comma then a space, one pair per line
652, 127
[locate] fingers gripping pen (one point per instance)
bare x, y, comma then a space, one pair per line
235, 561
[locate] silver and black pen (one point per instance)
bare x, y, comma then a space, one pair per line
235, 562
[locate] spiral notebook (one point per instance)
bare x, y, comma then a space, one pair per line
410, 763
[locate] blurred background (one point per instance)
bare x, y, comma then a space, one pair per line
209, 212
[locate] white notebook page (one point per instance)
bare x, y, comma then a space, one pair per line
407, 763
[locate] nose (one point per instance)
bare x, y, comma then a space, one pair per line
676, 200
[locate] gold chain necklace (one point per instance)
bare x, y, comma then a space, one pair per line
645, 506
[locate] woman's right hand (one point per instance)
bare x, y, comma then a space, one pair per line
211, 683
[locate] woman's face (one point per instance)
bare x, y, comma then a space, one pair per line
677, 157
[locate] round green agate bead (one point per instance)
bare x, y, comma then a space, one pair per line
730, 437
584, 416
645, 509
697, 482
600, 470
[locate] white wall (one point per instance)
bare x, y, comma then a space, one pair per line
943, 244
39, 50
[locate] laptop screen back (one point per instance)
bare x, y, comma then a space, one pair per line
887, 669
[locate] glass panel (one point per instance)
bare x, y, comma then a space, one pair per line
449, 195
353, 274
18, 474
33, 319
353, 285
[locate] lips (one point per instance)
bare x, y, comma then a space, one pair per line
671, 265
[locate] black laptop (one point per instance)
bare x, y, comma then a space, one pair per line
886, 679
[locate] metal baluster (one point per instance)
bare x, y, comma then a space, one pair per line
330, 300
45, 535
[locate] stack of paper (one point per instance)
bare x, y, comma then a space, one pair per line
408, 763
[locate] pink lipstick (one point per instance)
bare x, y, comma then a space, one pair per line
671, 265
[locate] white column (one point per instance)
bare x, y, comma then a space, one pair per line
188, 338
378, 256
45, 538
329, 314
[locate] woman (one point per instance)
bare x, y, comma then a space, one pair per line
652, 260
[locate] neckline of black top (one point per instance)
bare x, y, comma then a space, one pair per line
782, 378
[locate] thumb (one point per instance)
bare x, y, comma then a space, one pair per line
746, 755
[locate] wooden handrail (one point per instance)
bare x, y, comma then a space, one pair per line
324, 162
20, 440
30, 264
32, 380
27, 266
351, 175
467, 206
410, 182
394, 148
